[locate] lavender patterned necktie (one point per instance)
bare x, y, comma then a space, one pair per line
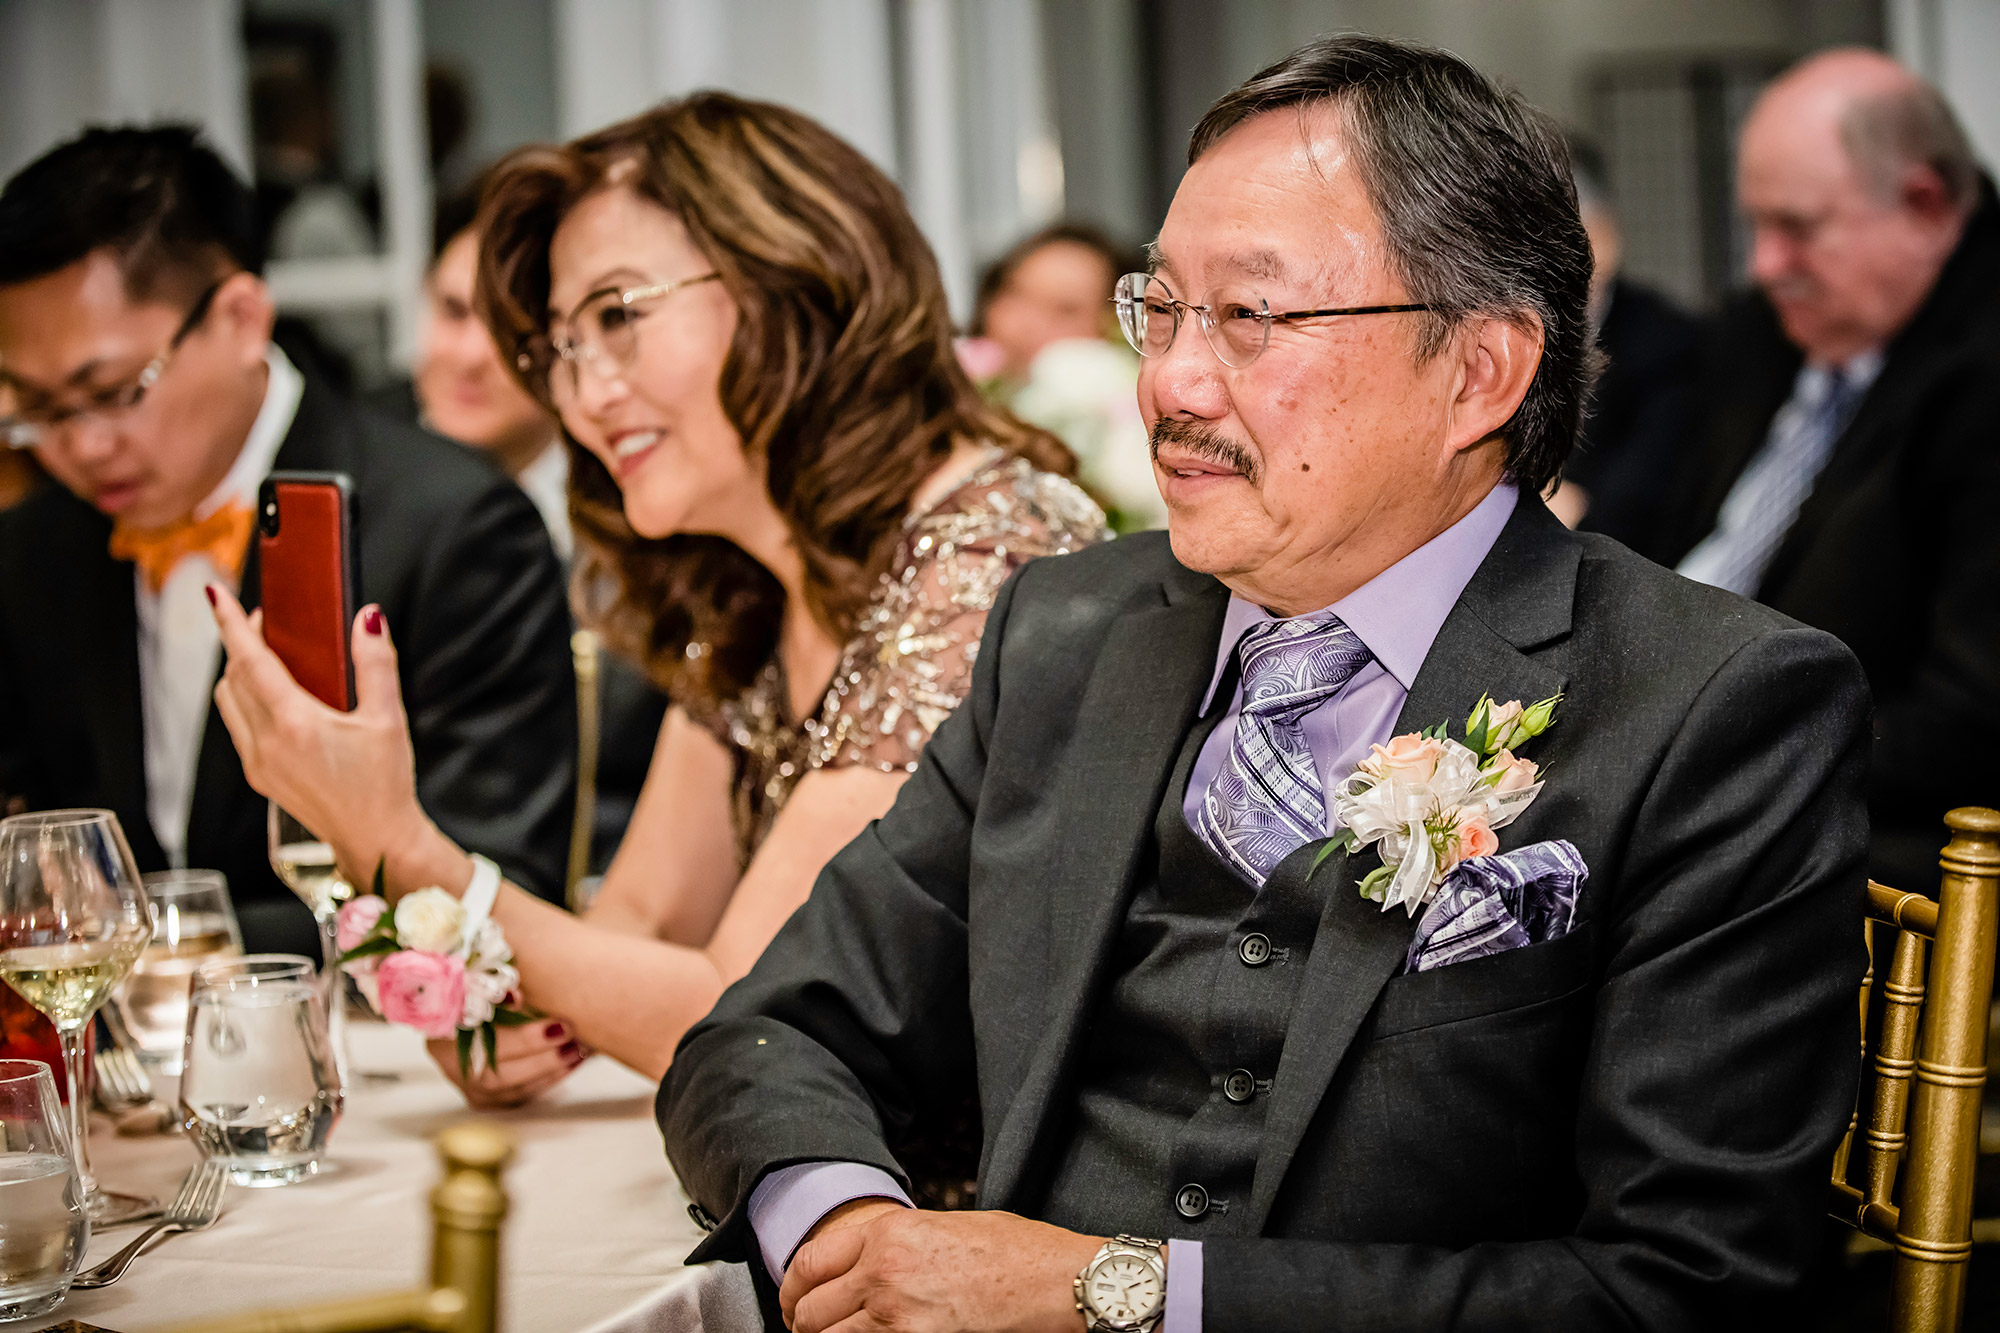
1265, 801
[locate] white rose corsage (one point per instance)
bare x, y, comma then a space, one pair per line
436, 963
1432, 802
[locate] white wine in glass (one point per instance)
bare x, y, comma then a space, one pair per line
73, 918
306, 863
193, 922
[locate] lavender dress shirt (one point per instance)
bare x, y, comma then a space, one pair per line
1397, 615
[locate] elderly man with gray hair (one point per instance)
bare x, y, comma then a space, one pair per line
1368, 904
1846, 465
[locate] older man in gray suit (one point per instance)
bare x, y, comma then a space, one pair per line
1345, 996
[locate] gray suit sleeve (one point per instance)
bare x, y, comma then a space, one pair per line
1707, 1117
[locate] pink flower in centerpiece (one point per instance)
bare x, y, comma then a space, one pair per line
356, 919
425, 991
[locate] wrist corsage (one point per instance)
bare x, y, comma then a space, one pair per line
436, 963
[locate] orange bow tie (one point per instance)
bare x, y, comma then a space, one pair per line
224, 537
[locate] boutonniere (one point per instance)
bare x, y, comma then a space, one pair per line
1431, 801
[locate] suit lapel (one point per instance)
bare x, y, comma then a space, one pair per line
1141, 698
1521, 597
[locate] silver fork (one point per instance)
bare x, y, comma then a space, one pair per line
121, 1080
196, 1207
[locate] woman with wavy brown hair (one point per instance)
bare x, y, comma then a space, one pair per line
791, 506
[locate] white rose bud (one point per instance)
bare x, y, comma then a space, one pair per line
431, 920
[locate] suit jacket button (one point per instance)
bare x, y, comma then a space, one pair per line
701, 1217
1255, 949
1191, 1202
1240, 1086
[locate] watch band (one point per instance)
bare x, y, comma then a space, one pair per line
1143, 1247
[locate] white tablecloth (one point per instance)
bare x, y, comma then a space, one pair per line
594, 1238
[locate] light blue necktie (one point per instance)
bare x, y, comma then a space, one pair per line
1265, 801
1765, 501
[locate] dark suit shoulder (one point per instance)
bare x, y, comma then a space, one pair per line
1109, 573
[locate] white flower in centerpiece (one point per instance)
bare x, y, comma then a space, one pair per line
431, 920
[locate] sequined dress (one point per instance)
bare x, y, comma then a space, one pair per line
910, 660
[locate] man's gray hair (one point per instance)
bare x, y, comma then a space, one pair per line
1887, 134
1473, 189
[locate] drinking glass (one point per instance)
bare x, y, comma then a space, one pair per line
192, 922
259, 1089
43, 1227
305, 862
73, 917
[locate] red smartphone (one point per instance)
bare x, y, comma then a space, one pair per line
309, 576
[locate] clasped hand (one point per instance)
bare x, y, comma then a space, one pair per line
874, 1265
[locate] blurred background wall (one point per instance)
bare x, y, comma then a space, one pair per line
997, 116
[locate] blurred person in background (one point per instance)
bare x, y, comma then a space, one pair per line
801, 507
135, 344
1045, 344
1637, 418
1844, 465
464, 391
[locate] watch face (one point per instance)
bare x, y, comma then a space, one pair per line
1124, 1289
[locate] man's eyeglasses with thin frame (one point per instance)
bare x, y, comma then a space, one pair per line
26, 429
601, 334
1237, 331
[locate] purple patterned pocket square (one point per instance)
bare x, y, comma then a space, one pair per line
1490, 904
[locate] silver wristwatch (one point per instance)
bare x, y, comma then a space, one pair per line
1123, 1289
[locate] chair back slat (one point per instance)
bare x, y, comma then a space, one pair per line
1920, 1136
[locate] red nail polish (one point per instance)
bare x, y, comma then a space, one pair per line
208, 591
554, 1030
572, 1051
372, 622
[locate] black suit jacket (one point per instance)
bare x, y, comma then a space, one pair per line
461, 566
1636, 425
1628, 1127
1895, 551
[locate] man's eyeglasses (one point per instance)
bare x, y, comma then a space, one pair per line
602, 333
33, 421
1237, 331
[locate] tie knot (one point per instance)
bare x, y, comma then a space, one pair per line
1291, 665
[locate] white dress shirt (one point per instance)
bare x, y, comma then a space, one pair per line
546, 480
179, 646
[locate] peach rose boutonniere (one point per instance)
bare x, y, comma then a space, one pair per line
1432, 802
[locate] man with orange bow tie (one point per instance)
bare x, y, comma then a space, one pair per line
136, 361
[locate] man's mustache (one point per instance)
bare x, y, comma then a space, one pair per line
1205, 442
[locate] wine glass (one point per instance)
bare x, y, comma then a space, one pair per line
73, 918
305, 862
193, 921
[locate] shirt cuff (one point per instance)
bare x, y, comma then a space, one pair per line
1183, 1312
790, 1201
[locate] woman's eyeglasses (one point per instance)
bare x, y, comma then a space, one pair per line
1237, 331
602, 333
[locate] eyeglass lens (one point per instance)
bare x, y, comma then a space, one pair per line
1237, 329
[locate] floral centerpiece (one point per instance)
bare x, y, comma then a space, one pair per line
1432, 802
431, 965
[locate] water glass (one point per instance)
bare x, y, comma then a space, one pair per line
259, 1088
193, 922
44, 1229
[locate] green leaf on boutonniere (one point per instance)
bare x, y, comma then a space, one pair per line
489, 1037
1343, 841
376, 943
465, 1054
1376, 883
1536, 719
513, 1018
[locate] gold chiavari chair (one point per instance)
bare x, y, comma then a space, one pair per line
587, 652
467, 1206
1919, 1152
